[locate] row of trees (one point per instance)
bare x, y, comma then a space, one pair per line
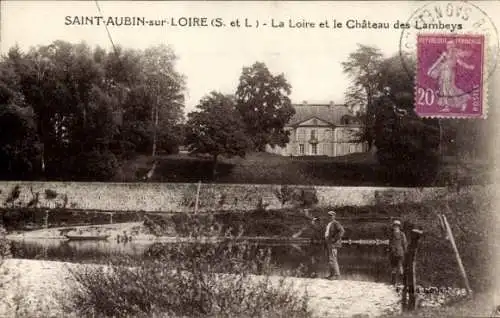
71, 112
408, 147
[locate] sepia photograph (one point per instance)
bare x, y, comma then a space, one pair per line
249, 159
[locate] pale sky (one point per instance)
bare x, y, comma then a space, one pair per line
212, 58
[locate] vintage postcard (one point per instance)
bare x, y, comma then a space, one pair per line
249, 159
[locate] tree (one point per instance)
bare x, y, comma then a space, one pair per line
397, 82
19, 151
264, 105
407, 145
154, 102
19, 147
65, 86
167, 85
216, 129
363, 68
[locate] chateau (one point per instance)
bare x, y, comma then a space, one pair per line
321, 130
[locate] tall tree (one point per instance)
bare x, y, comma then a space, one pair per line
407, 145
64, 84
155, 99
263, 102
19, 151
216, 129
397, 82
166, 84
363, 68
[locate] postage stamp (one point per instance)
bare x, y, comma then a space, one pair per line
450, 76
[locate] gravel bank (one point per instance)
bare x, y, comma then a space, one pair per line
33, 288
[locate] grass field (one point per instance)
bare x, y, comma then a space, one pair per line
360, 169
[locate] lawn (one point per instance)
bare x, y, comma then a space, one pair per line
360, 169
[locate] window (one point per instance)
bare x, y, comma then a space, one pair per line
328, 134
314, 149
313, 134
301, 133
346, 120
301, 149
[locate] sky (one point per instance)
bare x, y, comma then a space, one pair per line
212, 58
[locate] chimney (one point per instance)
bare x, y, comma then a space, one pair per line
332, 103
304, 102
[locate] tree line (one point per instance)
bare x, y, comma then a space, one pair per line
72, 112
68, 111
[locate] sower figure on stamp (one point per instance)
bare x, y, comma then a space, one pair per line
397, 249
333, 237
444, 71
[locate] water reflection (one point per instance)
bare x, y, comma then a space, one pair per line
358, 262
76, 251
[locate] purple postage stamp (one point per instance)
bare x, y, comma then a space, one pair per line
450, 76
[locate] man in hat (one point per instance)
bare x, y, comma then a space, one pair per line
397, 250
333, 237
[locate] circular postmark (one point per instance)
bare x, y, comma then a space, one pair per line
450, 49
452, 18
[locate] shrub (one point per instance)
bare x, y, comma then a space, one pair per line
92, 166
4, 245
307, 197
188, 224
50, 194
186, 282
284, 194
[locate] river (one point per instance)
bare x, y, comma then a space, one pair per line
358, 262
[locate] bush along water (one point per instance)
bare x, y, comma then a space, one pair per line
187, 282
5, 251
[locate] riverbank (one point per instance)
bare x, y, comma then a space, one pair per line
136, 231
485, 304
37, 288
133, 230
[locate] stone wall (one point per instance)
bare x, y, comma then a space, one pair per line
176, 197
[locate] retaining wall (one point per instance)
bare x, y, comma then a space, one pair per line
173, 197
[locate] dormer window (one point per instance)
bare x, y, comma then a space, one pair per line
315, 122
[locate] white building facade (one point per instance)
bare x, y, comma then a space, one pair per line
321, 130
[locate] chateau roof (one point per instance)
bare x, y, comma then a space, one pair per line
331, 113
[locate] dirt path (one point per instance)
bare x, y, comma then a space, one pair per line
32, 288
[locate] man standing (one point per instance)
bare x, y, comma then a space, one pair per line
333, 237
397, 250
